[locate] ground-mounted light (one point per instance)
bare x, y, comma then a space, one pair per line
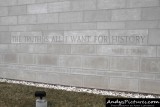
41, 101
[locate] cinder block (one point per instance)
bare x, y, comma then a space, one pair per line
111, 73
3, 2
90, 4
158, 51
47, 77
26, 33
54, 0
4, 65
150, 65
28, 75
19, 67
17, 10
139, 37
140, 75
59, 26
152, 13
3, 11
100, 82
96, 62
126, 14
157, 76
123, 84
47, 60
83, 71
58, 49
3, 48
83, 26
65, 71
18, 48
21, 2
38, 68
110, 25
71, 80
12, 74
141, 24
37, 8
42, 1
140, 3
8, 20
28, 59
129, 64
71, 61
10, 58
83, 5
59, 6
121, 50
13, 48
18, 28
69, 17
45, 1
111, 4
149, 86
47, 18
154, 38
5, 37
83, 49
37, 48
27, 19
55, 69
37, 27
4, 28
97, 15
3, 72
8, 2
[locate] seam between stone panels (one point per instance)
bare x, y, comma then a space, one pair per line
83, 17
47, 8
110, 60
156, 51
109, 65
96, 5
126, 3
93, 55
16, 2
77, 22
148, 37
82, 59
95, 10
109, 82
139, 84
139, 63
58, 18
59, 30
82, 10
141, 14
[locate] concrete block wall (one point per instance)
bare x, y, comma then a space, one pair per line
122, 65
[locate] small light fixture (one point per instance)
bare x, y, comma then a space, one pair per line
41, 101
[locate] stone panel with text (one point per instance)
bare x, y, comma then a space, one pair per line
105, 44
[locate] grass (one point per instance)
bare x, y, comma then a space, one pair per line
13, 95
